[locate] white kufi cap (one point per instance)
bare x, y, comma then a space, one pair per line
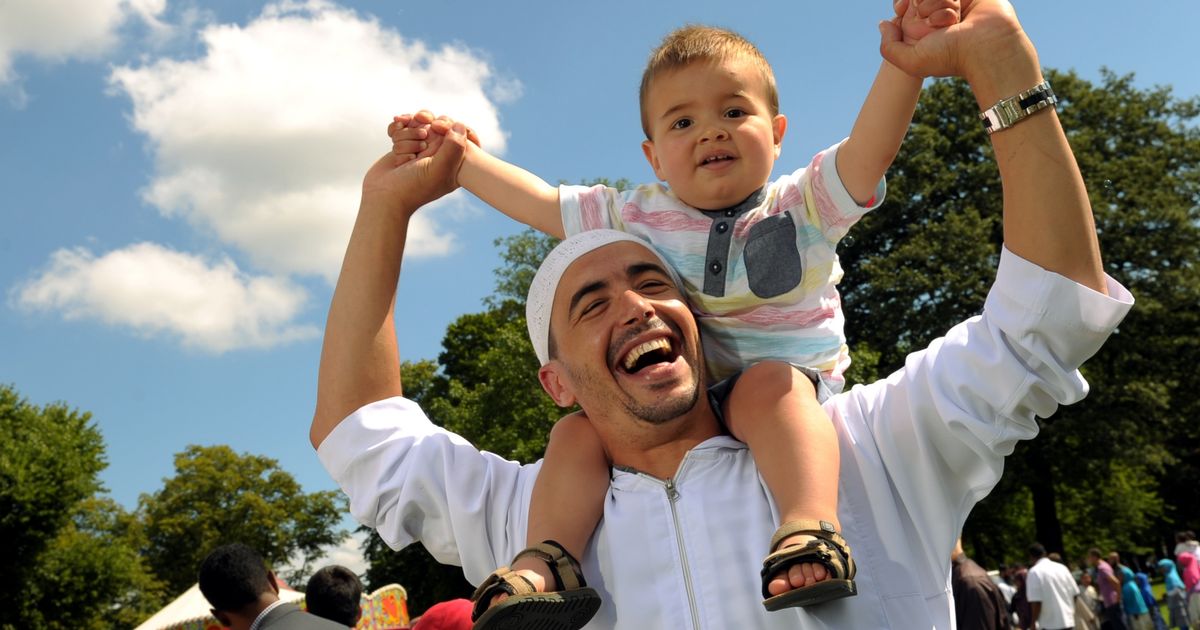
545, 281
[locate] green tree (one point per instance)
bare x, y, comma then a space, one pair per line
70, 554
926, 259
217, 497
91, 575
426, 580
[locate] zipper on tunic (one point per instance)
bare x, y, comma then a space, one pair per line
672, 496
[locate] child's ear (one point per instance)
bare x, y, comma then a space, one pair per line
556, 384
778, 129
652, 158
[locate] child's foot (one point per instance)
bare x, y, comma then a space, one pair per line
809, 564
800, 574
534, 571
519, 595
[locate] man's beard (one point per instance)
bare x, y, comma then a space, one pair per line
664, 410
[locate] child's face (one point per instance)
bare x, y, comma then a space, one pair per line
712, 135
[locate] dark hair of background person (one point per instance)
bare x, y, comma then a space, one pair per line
233, 577
334, 592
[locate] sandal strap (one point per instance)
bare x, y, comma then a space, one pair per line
563, 566
808, 527
502, 580
821, 551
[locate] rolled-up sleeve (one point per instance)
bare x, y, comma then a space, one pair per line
413, 481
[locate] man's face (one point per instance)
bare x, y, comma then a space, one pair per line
713, 136
626, 343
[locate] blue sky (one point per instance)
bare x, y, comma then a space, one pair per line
178, 178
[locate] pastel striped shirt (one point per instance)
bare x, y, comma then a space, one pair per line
761, 276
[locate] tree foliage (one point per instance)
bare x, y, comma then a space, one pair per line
69, 558
218, 496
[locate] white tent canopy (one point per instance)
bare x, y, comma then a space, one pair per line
192, 605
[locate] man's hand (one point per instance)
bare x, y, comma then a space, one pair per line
428, 174
986, 36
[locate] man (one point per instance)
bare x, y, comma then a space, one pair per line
978, 602
1051, 590
681, 537
335, 593
244, 596
1112, 616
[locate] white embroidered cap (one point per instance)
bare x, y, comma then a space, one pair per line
541, 291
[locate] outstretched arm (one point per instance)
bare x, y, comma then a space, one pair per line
510, 189
888, 109
1047, 216
360, 358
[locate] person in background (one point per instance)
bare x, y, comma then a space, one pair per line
1020, 602
1143, 583
1088, 604
978, 602
1136, 613
449, 615
1177, 612
1113, 618
1187, 557
244, 595
1050, 590
335, 593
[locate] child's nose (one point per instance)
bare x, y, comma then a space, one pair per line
714, 132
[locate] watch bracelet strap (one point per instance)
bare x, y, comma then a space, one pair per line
1009, 111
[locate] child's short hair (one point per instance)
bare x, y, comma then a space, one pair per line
698, 43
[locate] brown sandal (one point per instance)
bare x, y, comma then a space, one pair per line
828, 548
569, 607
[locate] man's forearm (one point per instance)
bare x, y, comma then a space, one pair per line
359, 359
1047, 214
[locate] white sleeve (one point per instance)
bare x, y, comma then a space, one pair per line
939, 428
413, 481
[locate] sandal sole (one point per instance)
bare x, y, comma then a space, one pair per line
560, 610
818, 593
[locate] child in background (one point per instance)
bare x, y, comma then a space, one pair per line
759, 266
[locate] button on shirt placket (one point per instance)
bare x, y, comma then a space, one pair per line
716, 264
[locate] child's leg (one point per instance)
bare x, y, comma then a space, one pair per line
568, 496
773, 408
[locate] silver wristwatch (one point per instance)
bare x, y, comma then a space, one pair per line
1011, 111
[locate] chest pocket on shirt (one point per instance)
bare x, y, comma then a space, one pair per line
773, 265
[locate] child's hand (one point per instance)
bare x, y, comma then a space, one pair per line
420, 135
918, 18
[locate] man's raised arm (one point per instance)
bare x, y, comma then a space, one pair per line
1047, 215
360, 359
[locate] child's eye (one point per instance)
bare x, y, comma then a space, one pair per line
735, 113
682, 123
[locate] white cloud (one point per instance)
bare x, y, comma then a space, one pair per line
348, 553
156, 291
263, 140
60, 29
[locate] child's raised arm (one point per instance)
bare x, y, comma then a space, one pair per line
506, 187
888, 109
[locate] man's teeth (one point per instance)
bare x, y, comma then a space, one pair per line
650, 346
